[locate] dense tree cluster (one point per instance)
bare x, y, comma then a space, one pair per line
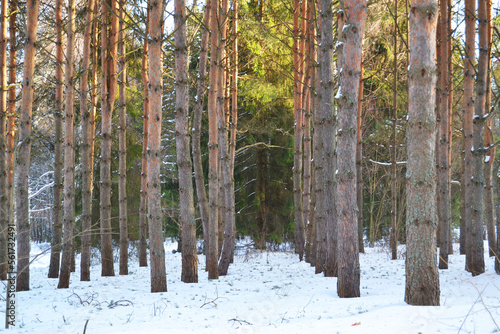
292, 122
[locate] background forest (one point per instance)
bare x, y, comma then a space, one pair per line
264, 159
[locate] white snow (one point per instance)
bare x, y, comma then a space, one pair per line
265, 292
339, 95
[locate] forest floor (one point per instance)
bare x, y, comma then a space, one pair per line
264, 292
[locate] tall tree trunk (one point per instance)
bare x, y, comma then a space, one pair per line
227, 157
122, 150
469, 74
312, 36
297, 160
324, 120
359, 166
155, 216
188, 223
109, 50
489, 207
394, 168
476, 263
348, 97
222, 107
450, 108
24, 150
11, 119
497, 255
143, 209
307, 107
260, 194
443, 149
234, 117
197, 120
227, 206
327, 249
69, 152
422, 279
213, 150
227, 160
87, 145
4, 211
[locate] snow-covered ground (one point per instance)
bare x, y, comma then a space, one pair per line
265, 292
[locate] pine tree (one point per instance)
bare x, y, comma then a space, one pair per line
422, 279
186, 202
4, 210
109, 51
155, 216
122, 151
143, 210
24, 149
88, 116
69, 152
348, 284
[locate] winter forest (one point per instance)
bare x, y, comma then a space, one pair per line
266, 160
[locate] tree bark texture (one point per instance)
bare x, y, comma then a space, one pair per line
11, 110
225, 161
476, 263
24, 150
422, 279
469, 74
298, 148
197, 120
155, 216
222, 123
307, 104
323, 119
69, 152
109, 51
4, 211
489, 206
143, 208
88, 115
213, 147
234, 118
394, 167
182, 133
489, 194
122, 149
497, 255
329, 249
359, 165
443, 148
348, 97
